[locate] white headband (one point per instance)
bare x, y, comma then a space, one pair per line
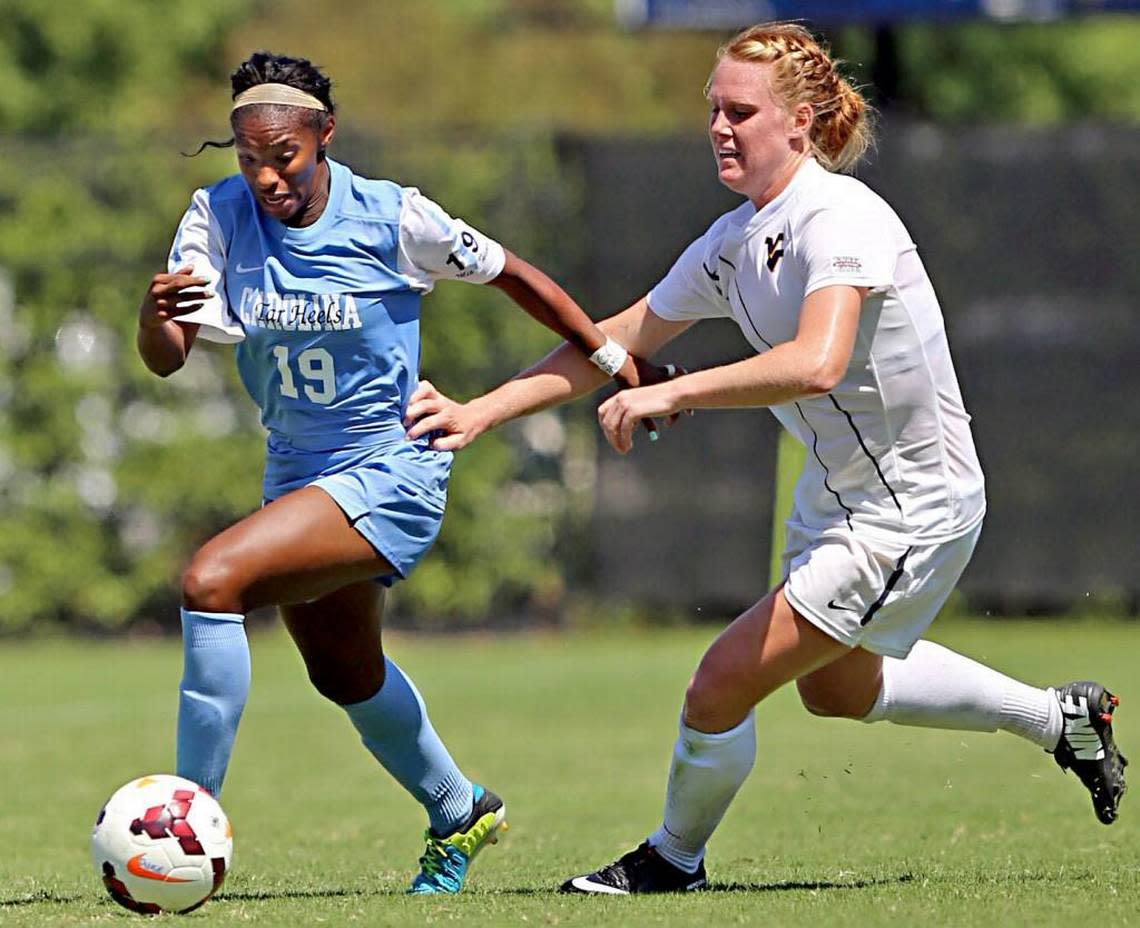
281, 94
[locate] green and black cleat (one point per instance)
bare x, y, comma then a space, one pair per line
446, 860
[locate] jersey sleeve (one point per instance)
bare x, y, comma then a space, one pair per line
694, 287
850, 246
435, 246
200, 244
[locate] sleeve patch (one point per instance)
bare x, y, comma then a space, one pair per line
847, 264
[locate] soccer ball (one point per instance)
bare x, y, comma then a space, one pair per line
161, 844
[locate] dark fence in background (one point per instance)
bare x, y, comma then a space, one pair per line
685, 522
1031, 239
1033, 244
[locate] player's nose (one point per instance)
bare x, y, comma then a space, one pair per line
266, 178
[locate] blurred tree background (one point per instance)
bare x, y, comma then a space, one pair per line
109, 476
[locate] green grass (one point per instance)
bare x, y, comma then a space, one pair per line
840, 823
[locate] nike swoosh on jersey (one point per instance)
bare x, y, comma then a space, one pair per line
832, 604
135, 866
248, 270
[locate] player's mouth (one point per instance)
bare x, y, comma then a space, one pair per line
727, 156
275, 202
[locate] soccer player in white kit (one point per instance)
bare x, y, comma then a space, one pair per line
852, 358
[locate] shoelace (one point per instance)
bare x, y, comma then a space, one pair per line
630, 865
440, 858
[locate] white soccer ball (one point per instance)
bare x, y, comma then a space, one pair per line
161, 844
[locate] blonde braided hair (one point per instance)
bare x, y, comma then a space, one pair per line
803, 72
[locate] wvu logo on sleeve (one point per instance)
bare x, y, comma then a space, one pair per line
775, 250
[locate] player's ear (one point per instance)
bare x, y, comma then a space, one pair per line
328, 130
802, 116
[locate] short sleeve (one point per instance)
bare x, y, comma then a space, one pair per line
200, 244
435, 246
848, 246
694, 287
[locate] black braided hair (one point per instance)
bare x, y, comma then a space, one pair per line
268, 68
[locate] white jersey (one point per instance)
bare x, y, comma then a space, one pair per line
889, 449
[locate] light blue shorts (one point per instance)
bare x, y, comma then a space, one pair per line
394, 494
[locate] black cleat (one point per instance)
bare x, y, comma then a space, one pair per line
1087, 746
640, 871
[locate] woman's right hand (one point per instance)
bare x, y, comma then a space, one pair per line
455, 425
637, 372
170, 296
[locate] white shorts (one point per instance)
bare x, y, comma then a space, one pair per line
869, 593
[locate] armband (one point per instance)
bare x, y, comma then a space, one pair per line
609, 358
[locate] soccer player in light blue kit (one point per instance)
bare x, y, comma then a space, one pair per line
316, 274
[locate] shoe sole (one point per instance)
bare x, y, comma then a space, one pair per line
499, 827
1110, 702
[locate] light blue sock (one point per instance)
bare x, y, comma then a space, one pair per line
215, 683
394, 726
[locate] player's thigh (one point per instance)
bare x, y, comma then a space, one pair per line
765, 647
847, 687
871, 592
296, 548
339, 637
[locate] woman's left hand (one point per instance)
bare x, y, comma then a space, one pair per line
455, 425
621, 413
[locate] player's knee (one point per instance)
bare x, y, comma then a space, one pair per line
209, 585
816, 704
821, 702
706, 690
337, 684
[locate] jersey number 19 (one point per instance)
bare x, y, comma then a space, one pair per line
315, 366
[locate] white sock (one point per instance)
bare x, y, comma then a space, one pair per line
706, 773
934, 687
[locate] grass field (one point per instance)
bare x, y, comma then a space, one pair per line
840, 823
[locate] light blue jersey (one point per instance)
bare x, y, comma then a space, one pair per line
326, 317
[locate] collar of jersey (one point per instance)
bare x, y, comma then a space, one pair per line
338, 180
759, 219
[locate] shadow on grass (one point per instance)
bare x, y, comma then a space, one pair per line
38, 898
811, 885
267, 895
784, 886
46, 898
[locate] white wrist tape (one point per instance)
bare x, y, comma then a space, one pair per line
609, 358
